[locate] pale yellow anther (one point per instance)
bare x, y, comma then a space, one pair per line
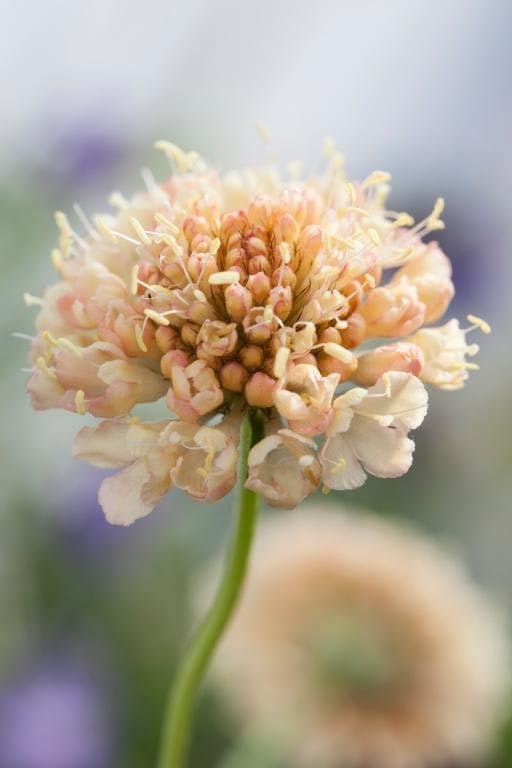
263, 132
199, 295
280, 362
139, 338
215, 246
205, 470
387, 384
268, 314
433, 221
224, 278
374, 236
184, 161
103, 227
306, 461
356, 209
472, 366
351, 191
338, 467
134, 280
80, 402
140, 231
479, 323
403, 220
341, 325
156, 317
118, 200
43, 366
66, 233
171, 241
346, 242
57, 260
438, 208
165, 222
337, 351
377, 177
32, 301
47, 336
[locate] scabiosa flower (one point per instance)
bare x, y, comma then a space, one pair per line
357, 643
217, 294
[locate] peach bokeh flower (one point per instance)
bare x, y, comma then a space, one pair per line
214, 294
358, 643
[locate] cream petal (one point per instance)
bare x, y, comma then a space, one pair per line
400, 398
342, 470
383, 451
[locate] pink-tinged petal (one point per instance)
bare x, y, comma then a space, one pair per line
382, 451
341, 469
116, 443
393, 310
407, 358
121, 496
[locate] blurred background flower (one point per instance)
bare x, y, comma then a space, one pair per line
55, 714
420, 89
364, 644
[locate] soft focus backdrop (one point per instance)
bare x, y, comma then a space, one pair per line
92, 618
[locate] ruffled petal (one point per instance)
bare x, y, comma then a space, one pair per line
121, 496
397, 398
382, 451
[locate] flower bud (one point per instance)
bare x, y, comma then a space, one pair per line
259, 390
251, 356
281, 300
172, 358
259, 285
233, 376
238, 301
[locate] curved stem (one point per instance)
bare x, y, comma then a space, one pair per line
181, 700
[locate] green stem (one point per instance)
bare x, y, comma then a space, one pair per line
181, 700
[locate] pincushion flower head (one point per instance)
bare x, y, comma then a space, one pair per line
280, 322
304, 299
357, 643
